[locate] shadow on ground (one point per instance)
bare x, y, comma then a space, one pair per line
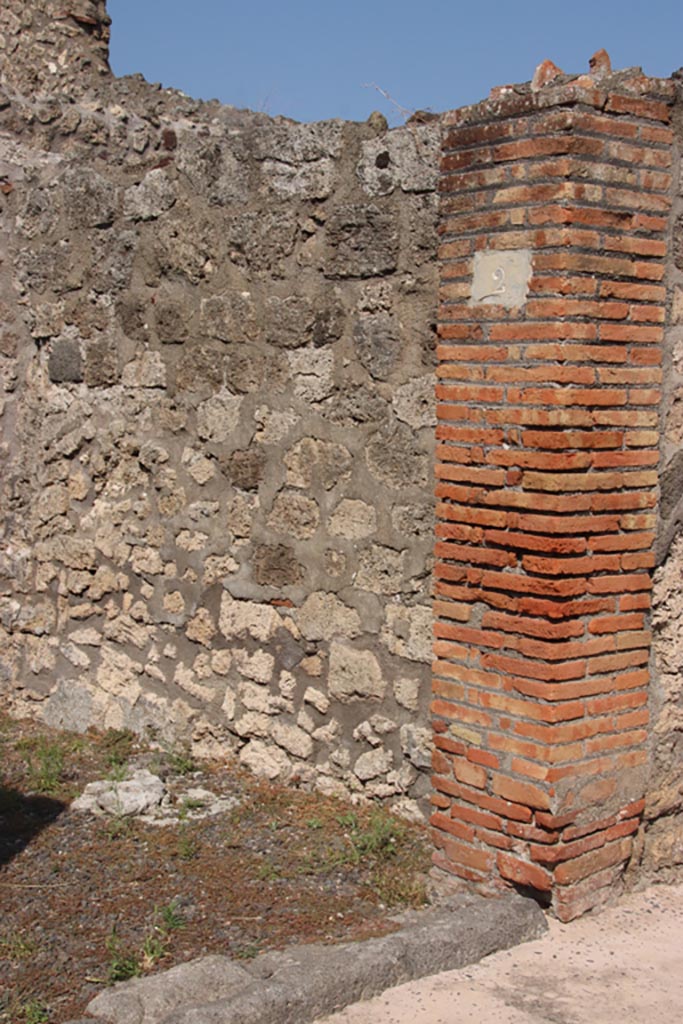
22, 818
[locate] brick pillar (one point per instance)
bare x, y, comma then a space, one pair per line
553, 221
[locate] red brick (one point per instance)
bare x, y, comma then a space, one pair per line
470, 774
449, 745
456, 828
617, 662
571, 439
523, 873
563, 524
567, 850
483, 757
495, 839
651, 109
533, 626
565, 609
474, 816
623, 542
574, 352
496, 805
615, 623
518, 792
460, 712
590, 863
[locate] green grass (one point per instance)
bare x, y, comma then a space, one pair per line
170, 916
124, 963
117, 746
17, 947
378, 840
187, 846
45, 765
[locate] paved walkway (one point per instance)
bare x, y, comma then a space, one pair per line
622, 966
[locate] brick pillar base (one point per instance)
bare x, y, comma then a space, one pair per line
554, 211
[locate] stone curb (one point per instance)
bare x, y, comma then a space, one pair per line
308, 982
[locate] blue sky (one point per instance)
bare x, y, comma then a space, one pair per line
311, 59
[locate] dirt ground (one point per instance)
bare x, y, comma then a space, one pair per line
90, 900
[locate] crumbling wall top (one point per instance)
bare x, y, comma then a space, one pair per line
49, 47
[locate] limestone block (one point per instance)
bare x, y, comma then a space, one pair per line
230, 317
414, 403
247, 618
54, 501
353, 519
299, 143
305, 181
323, 616
294, 740
382, 725
312, 373
265, 760
106, 581
191, 540
289, 320
229, 704
258, 666
273, 425
354, 675
65, 363
221, 662
394, 456
406, 692
185, 678
217, 567
377, 343
372, 764
408, 809
416, 744
148, 370
414, 520
294, 514
319, 700
332, 787
362, 241
381, 570
77, 657
89, 637
154, 195
406, 158
200, 468
253, 723
408, 632
218, 417
146, 561
124, 630
89, 199
201, 628
306, 721
327, 733
275, 565
117, 674
287, 685
364, 733
312, 461
258, 698
137, 795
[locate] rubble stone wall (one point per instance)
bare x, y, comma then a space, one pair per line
216, 352
217, 356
